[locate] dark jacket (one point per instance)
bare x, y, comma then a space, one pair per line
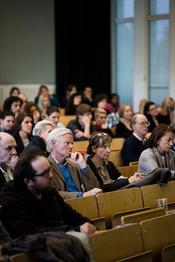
122, 130
37, 143
49, 246
2, 180
113, 173
23, 213
74, 125
20, 146
132, 149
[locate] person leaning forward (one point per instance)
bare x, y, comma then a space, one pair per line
30, 205
71, 176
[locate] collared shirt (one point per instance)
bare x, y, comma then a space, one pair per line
103, 172
7, 174
139, 138
68, 178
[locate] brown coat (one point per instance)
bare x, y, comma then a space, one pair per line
83, 181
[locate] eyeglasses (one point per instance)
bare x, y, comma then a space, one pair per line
143, 123
44, 173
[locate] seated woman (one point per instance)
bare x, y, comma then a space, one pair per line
123, 128
158, 155
151, 112
22, 131
109, 177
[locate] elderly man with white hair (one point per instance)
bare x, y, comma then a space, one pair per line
8, 157
38, 140
71, 176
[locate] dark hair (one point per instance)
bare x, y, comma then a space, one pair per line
147, 107
9, 101
97, 139
24, 169
157, 133
52, 109
82, 109
19, 119
12, 89
99, 98
28, 106
6, 113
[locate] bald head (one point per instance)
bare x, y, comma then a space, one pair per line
7, 148
140, 125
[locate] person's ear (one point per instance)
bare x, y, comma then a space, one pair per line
94, 149
27, 180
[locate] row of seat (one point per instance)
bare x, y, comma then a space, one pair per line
150, 240
137, 242
107, 209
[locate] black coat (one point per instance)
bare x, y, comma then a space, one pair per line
37, 143
113, 173
132, 149
23, 213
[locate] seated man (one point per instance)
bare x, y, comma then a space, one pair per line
134, 144
72, 178
53, 114
82, 126
38, 140
30, 205
8, 157
7, 120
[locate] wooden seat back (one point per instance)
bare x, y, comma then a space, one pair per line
140, 216
66, 119
80, 146
117, 202
153, 192
117, 243
168, 253
157, 233
128, 170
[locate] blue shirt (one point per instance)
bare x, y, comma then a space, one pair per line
68, 179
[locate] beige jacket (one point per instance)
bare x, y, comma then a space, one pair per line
83, 181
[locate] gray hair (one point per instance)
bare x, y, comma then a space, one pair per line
38, 128
56, 134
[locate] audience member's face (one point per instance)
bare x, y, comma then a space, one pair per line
46, 130
7, 149
128, 113
26, 125
114, 100
45, 102
102, 104
8, 122
141, 126
16, 107
43, 176
166, 142
54, 118
153, 110
16, 92
88, 92
63, 147
77, 100
102, 118
103, 152
44, 92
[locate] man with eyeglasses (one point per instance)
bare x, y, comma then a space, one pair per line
30, 205
8, 157
71, 175
134, 144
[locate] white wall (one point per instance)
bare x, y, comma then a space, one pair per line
27, 45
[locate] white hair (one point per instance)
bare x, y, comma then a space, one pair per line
38, 128
56, 134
